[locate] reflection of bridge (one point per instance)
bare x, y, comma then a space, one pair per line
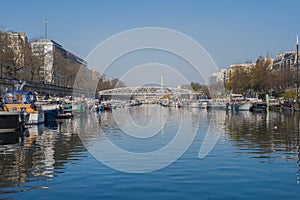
149, 91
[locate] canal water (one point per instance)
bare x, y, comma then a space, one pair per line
255, 156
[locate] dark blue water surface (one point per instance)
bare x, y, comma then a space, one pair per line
255, 158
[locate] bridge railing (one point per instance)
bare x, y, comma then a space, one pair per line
145, 90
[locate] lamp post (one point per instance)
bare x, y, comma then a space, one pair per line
297, 47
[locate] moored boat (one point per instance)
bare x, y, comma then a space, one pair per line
50, 111
11, 121
22, 101
243, 106
203, 103
258, 107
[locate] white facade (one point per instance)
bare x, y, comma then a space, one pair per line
285, 60
45, 48
218, 78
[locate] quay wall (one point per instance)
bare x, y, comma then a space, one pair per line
41, 88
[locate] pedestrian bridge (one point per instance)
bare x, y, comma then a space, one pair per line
153, 91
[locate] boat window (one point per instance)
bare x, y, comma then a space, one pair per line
9, 98
31, 97
19, 98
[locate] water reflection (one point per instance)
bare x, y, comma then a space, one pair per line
36, 155
266, 136
10, 138
263, 134
34, 158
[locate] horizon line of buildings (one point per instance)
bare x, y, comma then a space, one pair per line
282, 61
47, 49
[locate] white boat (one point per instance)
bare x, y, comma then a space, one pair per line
252, 98
237, 97
240, 103
203, 103
244, 106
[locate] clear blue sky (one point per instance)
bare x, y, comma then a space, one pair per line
232, 31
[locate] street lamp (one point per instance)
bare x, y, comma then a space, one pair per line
297, 47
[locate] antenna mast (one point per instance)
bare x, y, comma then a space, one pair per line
45, 27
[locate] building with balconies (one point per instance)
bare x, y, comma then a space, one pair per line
54, 57
285, 61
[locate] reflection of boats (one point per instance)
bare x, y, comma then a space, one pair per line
10, 138
24, 101
11, 121
51, 124
194, 104
64, 115
36, 129
218, 104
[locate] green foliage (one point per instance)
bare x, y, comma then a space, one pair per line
240, 81
197, 87
289, 94
259, 79
261, 75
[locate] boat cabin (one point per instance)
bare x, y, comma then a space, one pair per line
237, 97
19, 97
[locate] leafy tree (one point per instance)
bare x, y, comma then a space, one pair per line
261, 76
239, 80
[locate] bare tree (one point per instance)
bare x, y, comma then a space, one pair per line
8, 60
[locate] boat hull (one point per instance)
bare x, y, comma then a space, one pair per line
33, 114
50, 115
203, 105
244, 106
259, 107
10, 121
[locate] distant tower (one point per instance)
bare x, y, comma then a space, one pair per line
45, 27
161, 80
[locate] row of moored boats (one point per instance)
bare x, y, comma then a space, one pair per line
235, 102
